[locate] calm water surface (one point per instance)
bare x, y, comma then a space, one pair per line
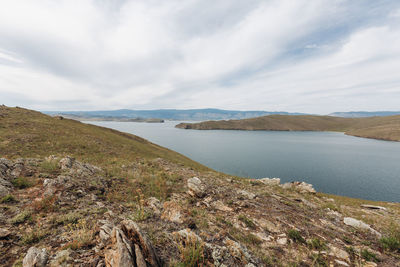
333, 162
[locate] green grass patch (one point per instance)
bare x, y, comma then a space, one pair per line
22, 182
296, 236
8, 199
22, 217
247, 221
369, 256
317, 244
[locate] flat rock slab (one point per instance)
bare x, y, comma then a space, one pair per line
360, 225
372, 207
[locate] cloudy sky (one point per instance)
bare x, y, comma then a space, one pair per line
315, 56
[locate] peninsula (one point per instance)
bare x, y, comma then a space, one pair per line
384, 128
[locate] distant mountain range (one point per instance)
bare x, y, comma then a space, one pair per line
202, 114
172, 114
363, 114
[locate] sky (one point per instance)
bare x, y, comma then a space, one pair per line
313, 56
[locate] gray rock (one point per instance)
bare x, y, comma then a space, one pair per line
35, 258
4, 233
282, 241
301, 187
341, 263
270, 181
372, 207
66, 163
360, 225
4, 191
338, 253
196, 187
155, 205
129, 247
246, 194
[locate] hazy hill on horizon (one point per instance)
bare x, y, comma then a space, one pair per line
173, 114
364, 114
205, 114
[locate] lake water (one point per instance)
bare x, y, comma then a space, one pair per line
333, 162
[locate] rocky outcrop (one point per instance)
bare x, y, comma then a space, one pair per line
172, 212
129, 248
35, 258
360, 225
196, 187
77, 168
301, 187
270, 181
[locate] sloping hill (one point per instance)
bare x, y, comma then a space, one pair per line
385, 128
28, 133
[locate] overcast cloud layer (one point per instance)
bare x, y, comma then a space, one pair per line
315, 56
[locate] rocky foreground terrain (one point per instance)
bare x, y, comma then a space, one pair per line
61, 212
74, 194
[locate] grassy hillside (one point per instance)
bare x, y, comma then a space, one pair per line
386, 128
27, 133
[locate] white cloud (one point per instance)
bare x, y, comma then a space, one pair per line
309, 56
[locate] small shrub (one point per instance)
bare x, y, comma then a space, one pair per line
22, 217
33, 237
317, 244
296, 236
247, 221
392, 240
47, 204
50, 166
390, 243
369, 256
79, 235
140, 214
191, 252
347, 240
318, 261
69, 218
22, 182
8, 199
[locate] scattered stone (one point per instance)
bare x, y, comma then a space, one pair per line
342, 263
4, 191
172, 212
219, 205
61, 258
246, 194
105, 231
338, 253
66, 163
301, 187
129, 248
35, 258
196, 187
269, 226
238, 251
360, 225
282, 241
270, 181
187, 234
155, 205
4, 233
372, 207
